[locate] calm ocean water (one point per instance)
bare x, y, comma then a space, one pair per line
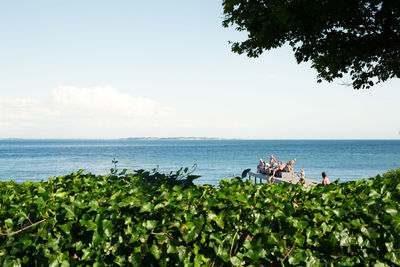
36, 160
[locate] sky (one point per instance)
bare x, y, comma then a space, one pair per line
103, 69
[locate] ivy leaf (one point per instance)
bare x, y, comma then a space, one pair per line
148, 207
9, 222
217, 218
156, 251
66, 228
391, 211
70, 211
297, 257
87, 253
236, 261
394, 257
150, 224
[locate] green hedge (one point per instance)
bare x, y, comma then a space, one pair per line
145, 219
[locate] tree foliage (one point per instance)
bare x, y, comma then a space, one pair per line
356, 37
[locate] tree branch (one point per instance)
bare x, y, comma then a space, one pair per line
290, 250
23, 229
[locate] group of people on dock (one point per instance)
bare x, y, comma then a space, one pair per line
274, 167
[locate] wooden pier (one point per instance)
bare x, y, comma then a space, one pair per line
286, 177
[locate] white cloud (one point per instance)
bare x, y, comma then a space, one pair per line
81, 112
24, 109
104, 112
271, 76
69, 101
4, 124
104, 101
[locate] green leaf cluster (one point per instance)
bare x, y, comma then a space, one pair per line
145, 219
355, 38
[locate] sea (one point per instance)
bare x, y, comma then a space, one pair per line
213, 160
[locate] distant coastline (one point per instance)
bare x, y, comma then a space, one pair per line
175, 138
197, 138
126, 138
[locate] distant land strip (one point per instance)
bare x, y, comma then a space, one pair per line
175, 138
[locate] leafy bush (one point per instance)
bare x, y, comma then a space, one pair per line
134, 218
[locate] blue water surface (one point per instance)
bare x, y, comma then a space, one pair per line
35, 160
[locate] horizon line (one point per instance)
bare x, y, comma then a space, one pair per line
194, 138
